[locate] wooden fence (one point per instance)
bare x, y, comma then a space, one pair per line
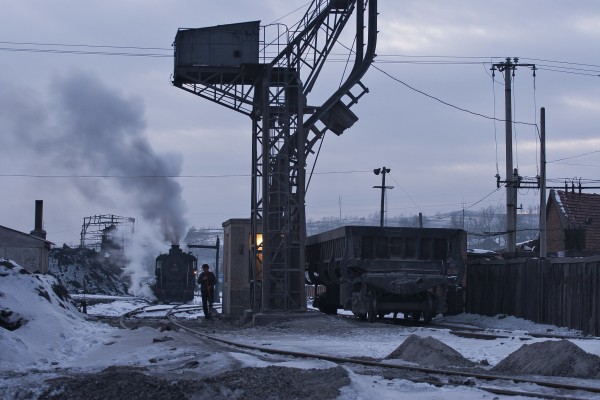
560, 291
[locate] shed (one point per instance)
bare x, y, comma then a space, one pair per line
573, 223
29, 251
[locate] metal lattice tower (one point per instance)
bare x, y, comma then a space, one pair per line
98, 229
224, 64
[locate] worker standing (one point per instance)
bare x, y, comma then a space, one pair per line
207, 281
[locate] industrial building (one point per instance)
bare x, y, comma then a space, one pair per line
29, 250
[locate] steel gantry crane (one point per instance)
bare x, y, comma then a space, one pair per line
231, 65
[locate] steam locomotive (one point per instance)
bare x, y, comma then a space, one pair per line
373, 271
175, 276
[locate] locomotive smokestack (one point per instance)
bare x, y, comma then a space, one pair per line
39, 218
174, 249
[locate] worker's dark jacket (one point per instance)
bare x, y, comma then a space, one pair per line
207, 280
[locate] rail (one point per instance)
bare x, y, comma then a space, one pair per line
470, 376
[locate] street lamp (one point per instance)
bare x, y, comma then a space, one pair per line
382, 171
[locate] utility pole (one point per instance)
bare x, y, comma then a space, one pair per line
382, 171
512, 178
542, 245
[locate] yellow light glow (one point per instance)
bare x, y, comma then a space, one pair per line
259, 239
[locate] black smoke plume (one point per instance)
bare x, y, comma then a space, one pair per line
91, 129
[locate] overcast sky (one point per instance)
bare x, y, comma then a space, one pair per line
64, 114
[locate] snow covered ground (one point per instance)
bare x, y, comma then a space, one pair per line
45, 337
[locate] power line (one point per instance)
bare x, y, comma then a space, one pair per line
291, 12
469, 207
578, 165
578, 155
84, 52
584, 69
122, 176
406, 193
86, 45
445, 102
161, 176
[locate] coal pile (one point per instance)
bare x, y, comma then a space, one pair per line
269, 383
551, 358
429, 351
80, 269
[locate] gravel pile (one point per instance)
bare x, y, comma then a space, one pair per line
429, 351
551, 358
246, 383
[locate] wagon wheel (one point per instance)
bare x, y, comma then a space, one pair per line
361, 316
328, 309
428, 310
372, 311
415, 316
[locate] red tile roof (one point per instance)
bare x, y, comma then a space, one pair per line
580, 210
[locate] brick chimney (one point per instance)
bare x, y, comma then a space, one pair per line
39, 217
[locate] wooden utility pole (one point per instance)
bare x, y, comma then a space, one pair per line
509, 67
542, 245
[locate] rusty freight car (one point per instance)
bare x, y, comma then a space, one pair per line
373, 271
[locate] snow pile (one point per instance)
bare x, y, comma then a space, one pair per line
429, 351
41, 326
551, 358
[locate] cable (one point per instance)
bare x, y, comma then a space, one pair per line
514, 112
445, 102
312, 170
292, 12
465, 208
592, 70
537, 161
86, 45
82, 52
405, 192
579, 165
562, 62
162, 176
567, 72
495, 126
579, 155
122, 176
347, 62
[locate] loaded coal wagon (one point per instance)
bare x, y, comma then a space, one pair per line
373, 271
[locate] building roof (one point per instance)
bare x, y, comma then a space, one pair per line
578, 210
26, 234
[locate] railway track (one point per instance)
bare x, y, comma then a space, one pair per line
471, 331
492, 383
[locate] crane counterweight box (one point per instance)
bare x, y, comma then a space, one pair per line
224, 45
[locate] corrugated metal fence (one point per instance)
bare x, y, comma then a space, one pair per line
561, 291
